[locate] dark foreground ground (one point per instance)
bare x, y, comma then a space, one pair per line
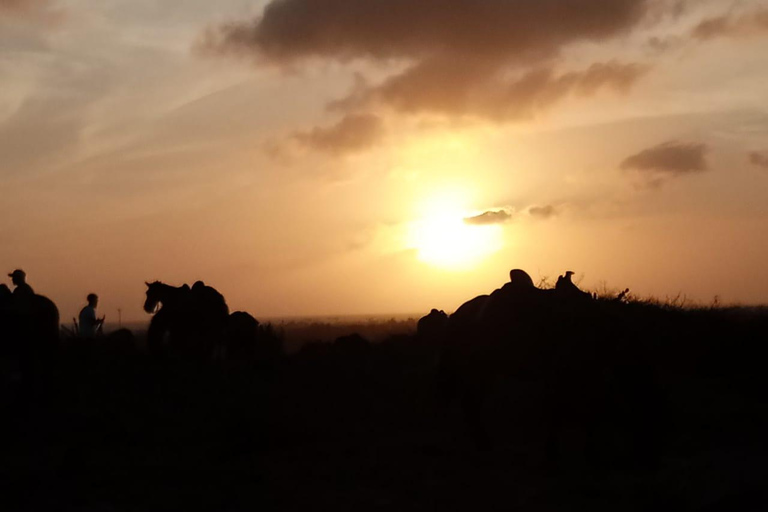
354, 426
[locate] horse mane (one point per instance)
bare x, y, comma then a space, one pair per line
166, 286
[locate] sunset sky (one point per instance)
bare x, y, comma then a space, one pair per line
316, 157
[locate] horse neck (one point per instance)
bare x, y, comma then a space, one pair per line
168, 293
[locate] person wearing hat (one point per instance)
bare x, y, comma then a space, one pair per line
22, 290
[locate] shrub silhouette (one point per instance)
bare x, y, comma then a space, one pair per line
247, 341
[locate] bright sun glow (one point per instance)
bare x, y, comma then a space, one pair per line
442, 237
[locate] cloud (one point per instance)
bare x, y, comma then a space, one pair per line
542, 212
487, 58
746, 25
660, 45
21, 6
33, 10
443, 87
489, 217
42, 133
290, 30
353, 133
759, 159
670, 159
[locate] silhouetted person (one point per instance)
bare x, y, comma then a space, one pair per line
22, 292
89, 323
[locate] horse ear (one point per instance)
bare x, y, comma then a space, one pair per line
146, 283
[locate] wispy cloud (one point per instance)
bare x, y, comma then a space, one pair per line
43, 11
471, 89
759, 159
351, 134
489, 217
744, 25
542, 212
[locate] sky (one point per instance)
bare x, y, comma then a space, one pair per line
323, 157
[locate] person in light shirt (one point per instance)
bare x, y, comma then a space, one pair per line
89, 323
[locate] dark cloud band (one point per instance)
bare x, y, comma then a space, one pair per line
384, 29
484, 58
671, 158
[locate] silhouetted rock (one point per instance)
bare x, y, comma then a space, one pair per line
431, 327
566, 289
558, 343
242, 332
520, 279
122, 340
351, 345
248, 341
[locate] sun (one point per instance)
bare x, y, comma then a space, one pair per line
442, 237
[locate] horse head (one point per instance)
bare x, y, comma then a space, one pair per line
157, 294
154, 294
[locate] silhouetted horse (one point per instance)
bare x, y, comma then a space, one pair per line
30, 329
193, 319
